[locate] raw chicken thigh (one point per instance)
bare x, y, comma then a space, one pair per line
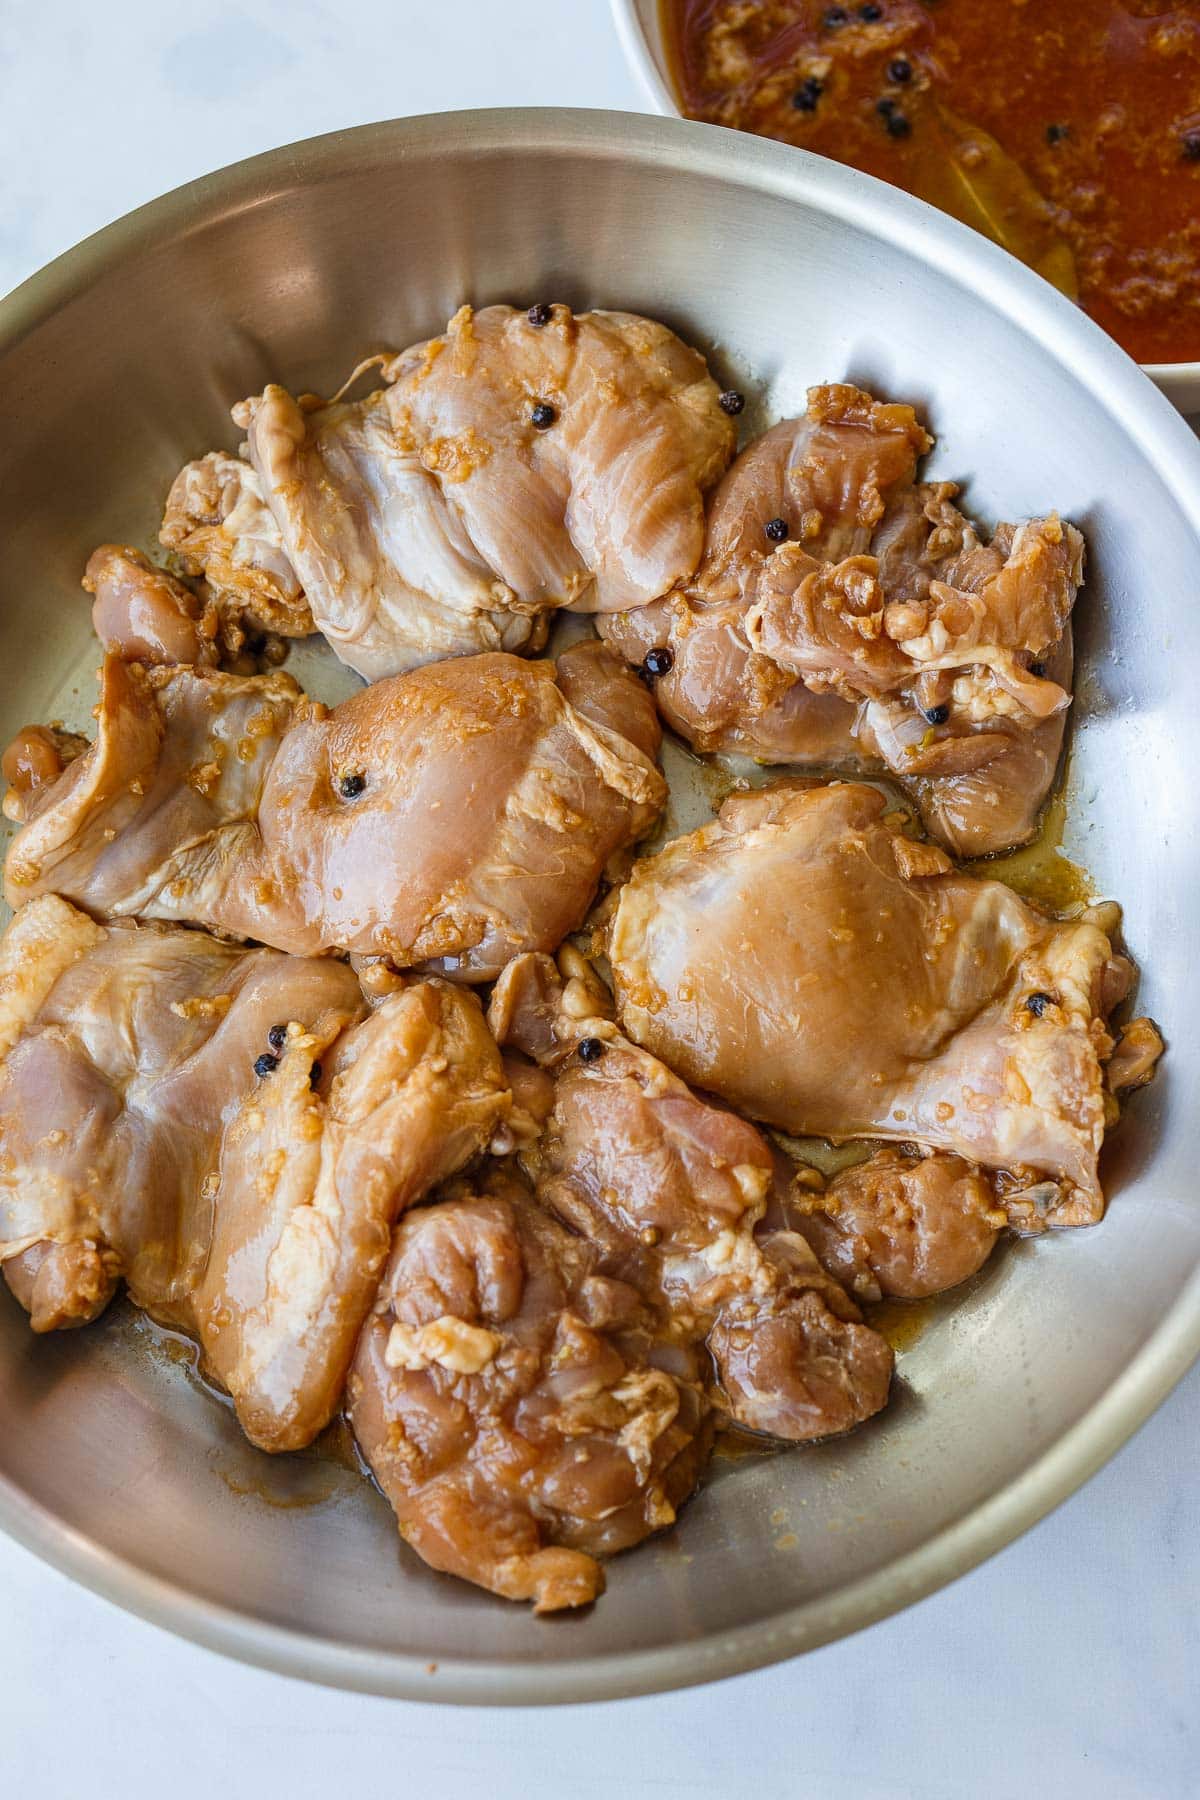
674, 1191
518, 463
522, 1412
844, 615
125, 1051
811, 965
316, 1167
451, 817
165, 1119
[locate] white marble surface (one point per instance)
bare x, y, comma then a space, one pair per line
1069, 1666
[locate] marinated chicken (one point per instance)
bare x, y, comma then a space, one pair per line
813, 966
449, 818
144, 615
125, 1050
675, 1192
223, 1129
220, 527
536, 1253
845, 615
523, 1412
905, 1223
518, 463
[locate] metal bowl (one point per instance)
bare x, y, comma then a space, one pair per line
640, 29
122, 358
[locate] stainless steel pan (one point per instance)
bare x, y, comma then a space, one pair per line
122, 358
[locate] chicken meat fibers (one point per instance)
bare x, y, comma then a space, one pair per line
845, 615
816, 968
518, 463
448, 819
232, 1134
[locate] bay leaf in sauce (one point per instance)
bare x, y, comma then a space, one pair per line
961, 169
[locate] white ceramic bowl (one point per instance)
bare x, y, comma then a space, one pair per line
639, 26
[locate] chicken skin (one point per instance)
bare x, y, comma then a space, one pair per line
449, 818
511, 466
845, 615
225, 1130
523, 1412
675, 1192
811, 965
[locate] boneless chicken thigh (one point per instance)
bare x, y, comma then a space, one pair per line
810, 964
522, 1412
225, 1130
315, 1168
125, 1051
451, 817
515, 464
675, 1191
846, 615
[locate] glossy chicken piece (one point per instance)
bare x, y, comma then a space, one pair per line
827, 476
977, 790
449, 515
675, 1191
159, 813
901, 1223
808, 963
316, 1167
33, 761
520, 1410
220, 527
392, 825
142, 614
882, 631
125, 1052
222, 1128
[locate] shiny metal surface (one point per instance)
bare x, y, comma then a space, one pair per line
121, 359
639, 27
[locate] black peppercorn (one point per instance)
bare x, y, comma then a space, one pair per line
1056, 133
898, 126
542, 416
900, 70
835, 16
350, 786
807, 94
937, 715
1037, 1004
731, 402
659, 661
870, 13
776, 530
314, 1075
540, 314
277, 1036
1191, 147
590, 1049
266, 1064
885, 107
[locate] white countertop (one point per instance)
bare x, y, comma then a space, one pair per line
1069, 1665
